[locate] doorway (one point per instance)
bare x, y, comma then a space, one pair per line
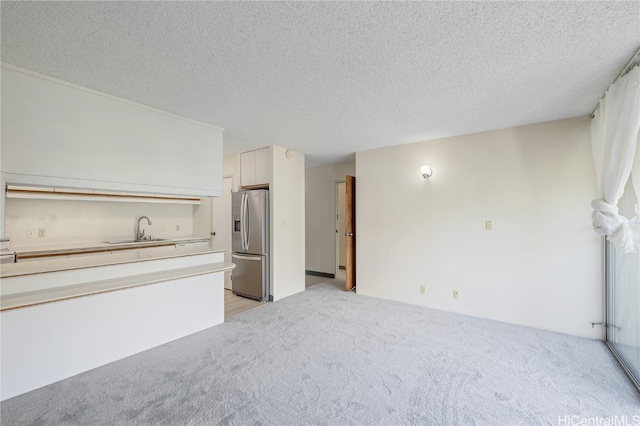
350, 232
341, 243
346, 232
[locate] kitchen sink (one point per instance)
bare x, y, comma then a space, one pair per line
153, 240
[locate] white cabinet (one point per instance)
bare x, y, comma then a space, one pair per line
58, 134
263, 166
248, 168
255, 168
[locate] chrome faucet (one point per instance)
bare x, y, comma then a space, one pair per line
140, 234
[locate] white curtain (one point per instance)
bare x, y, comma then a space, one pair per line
635, 175
635, 180
614, 139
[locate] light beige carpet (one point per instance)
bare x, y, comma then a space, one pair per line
329, 357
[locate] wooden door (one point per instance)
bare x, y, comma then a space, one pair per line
350, 232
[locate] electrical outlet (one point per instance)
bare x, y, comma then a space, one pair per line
42, 232
178, 227
456, 294
32, 232
488, 225
421, 289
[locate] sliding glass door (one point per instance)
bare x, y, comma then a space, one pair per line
623, 296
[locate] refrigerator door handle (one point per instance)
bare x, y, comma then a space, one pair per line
242, 221
243, 257
247, 230
246, 221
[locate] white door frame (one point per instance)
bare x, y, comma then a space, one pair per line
227, 188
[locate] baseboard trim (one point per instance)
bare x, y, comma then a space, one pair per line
320, 274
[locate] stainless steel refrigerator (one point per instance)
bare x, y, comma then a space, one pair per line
250, 244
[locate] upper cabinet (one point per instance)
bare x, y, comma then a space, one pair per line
255, 168
58, 134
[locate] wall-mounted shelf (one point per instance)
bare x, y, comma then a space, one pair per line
70, 194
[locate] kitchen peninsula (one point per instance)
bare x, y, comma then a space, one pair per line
63, 316
92, 167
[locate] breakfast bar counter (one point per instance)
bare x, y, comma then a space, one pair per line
103, 258
63, 316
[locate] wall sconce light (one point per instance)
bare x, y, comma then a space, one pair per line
426, 171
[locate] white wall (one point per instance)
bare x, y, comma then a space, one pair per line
231, 168
3, 199
540, 266
320, 210
203, 213
92, 221
287, 207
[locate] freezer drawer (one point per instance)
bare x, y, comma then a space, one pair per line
250, 278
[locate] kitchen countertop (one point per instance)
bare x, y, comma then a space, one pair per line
143, 253
90, 247
21, 300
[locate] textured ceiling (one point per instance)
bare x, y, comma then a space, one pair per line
333, 78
